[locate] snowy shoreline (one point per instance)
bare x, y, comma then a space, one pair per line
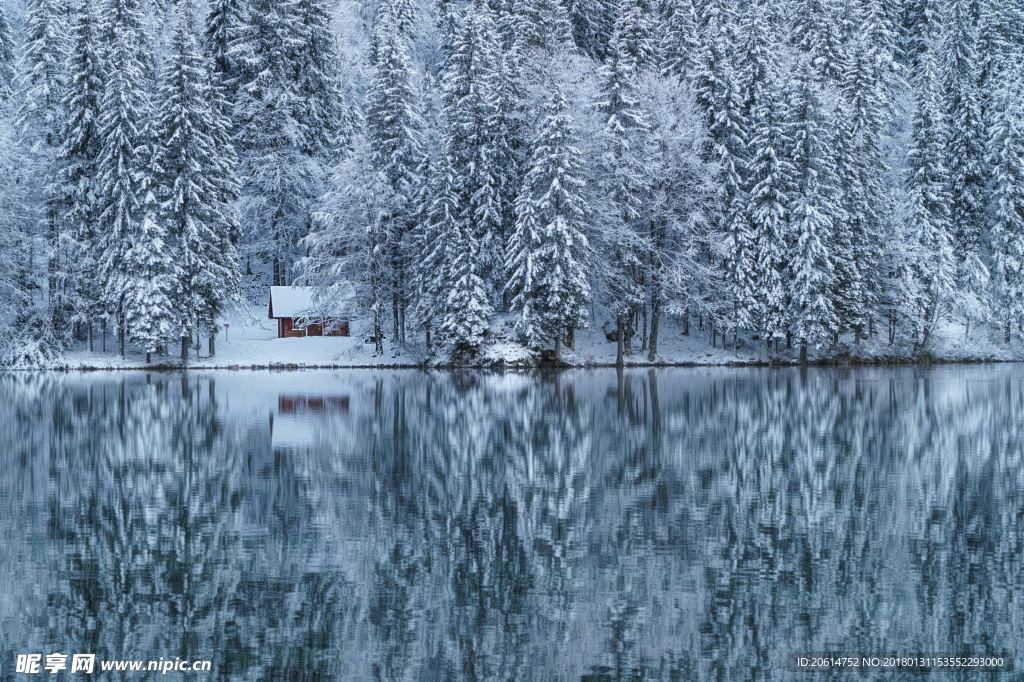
520, 366
252, 345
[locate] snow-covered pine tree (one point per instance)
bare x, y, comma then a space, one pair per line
439, 210
849, 234
510, 134
729, 139
1000, 35
620, 173
189, 176
77, 159
17, 343
464, 308
921, 22
635, 27
123, 166
280, 179
225, 23
126, 13
743, 89
394, 127
225, 177
318, 83
878, 40
1006, 229
818, 35
592, 25
868, 84
757, 59
813, 217
966, 158
402, 13
680, 48
716, 39
544, 24
347, 256
928, 194
6, 54
547, 253
40, 86
42, 72
718, 91
770, 177
152, 281
473, 106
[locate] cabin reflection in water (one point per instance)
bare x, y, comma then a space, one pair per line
300, 417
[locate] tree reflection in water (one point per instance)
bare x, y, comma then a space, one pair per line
664, 524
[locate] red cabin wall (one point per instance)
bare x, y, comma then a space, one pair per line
286, 329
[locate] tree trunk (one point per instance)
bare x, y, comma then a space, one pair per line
378, 332
570, 337
91, 349
401, 302
149, 357
52, 268
185, 341
213, 343
652, 349
104, 336
627, 341
789, 340
394, 320
803, 352
643, 326
120, 336
686, 322
619, 345
1008, 332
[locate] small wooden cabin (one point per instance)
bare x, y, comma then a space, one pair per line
290, 304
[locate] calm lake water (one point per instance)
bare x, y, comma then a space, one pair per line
672, 524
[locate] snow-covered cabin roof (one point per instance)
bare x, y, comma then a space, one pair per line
299, 301
290, 301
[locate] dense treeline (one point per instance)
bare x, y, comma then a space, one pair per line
802, 171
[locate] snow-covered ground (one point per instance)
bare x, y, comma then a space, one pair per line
249, 340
